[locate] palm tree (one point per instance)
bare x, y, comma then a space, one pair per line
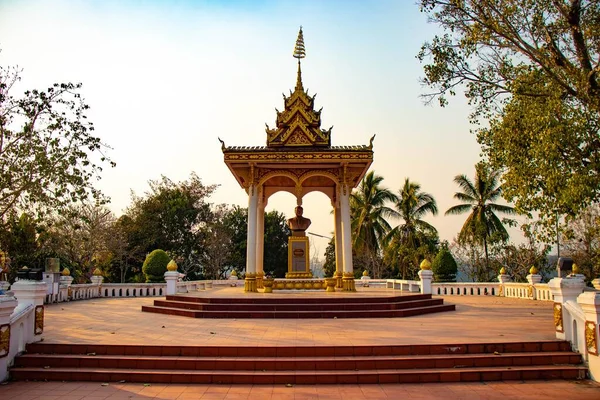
478, 197
411, 206
368, 211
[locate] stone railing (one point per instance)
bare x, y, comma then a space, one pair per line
536, 291
466, 288
72, 292
403, 285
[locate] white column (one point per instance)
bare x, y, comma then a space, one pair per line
346, 230
250, 284
346, 239
339, 257
339, 251
260, 238
260, 243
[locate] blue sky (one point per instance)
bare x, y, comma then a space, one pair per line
164, 79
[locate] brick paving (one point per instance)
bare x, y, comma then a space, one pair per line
476, 320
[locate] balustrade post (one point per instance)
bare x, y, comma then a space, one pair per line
564, 290
28, 292
590, 304
426, 276
533, 278
7, 306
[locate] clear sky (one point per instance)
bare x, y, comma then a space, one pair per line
164, 79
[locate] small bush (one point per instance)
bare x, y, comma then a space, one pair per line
444, 266
155, 266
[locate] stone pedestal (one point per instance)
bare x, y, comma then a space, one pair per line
97, 280
563, 290
534, 278
426, 276
504, 278
590, 304
171, 278
7, 306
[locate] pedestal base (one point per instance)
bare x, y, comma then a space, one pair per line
250, 283
259, 280
348, 282
338, 279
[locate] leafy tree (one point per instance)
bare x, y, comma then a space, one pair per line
329, 265
411, 204
275, 241
368, 211
444, 266
275, 259
581, 241
125, 258
403, 258
477, 197
530, 69
48, 151
155, 266
79, 237
236, 222
20, 241
173, 217
217, 250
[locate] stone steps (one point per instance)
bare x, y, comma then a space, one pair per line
295, 307
299, 364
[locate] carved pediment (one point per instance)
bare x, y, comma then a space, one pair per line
298, 124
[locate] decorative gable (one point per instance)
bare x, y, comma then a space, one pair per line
299, 124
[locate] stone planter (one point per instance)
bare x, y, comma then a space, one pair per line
331, 283
268, 285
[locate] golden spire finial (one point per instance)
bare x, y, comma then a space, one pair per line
299, 52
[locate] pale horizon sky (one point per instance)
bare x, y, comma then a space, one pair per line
164, 79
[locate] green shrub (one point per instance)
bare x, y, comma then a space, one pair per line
155, 266
444, 266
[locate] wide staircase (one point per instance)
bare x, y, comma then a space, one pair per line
300, 364
299, 307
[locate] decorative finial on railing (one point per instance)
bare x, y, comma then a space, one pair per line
299, 53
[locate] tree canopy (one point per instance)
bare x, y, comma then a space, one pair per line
530, 71
482, 226
49, 156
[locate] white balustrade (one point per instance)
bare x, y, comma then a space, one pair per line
465, 288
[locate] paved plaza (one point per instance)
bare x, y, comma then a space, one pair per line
476, 320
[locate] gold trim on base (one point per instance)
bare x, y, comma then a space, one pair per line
39, 320
259, 280
338, 279
298, 275
348, 282
4, 340
250, 283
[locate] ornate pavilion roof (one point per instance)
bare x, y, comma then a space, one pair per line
297, 148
